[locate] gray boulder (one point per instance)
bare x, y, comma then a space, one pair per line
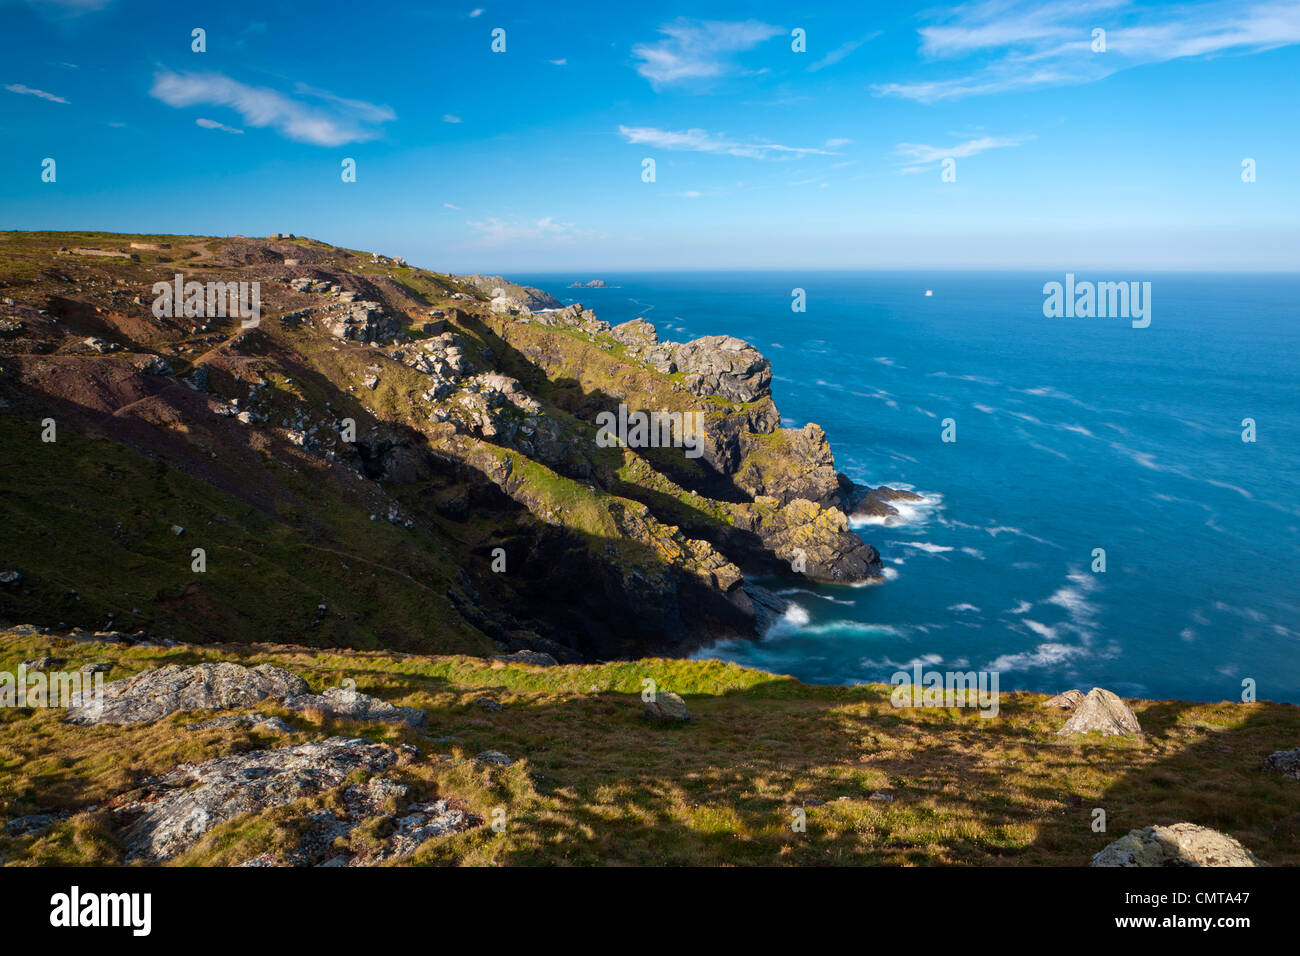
1285, 762
1102, 712
353, 705
1181, 844
156, 694
667, 706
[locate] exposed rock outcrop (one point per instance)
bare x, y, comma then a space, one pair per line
877, 502
815, 541
1102, 712
338, 702
155, 694
521, 297
1180, 844
725, 366
172, 812
1285, 762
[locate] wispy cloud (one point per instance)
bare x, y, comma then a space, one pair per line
702, 141
561, 62
1022, 45
213, 124
476, 12
332, 121
28, 91
840, 52
695, 50
918, 156
449, 118
493, 231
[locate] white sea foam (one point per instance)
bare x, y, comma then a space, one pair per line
927, 547
1049, 654
964, 607
824, 597
909, 512
796, 615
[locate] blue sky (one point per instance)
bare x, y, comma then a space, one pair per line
531, 159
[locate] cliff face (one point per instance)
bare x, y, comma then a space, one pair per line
388, 457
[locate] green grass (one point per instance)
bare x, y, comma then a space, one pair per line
594, 782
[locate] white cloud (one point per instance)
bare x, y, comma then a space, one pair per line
918, 154
837, 143
476, 12
213, 124
694, 50
560, 62
840, 52
702, 141
1024, 45
448, 205
28, 91
336, 122
448, 118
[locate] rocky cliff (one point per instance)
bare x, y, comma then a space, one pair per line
384, 456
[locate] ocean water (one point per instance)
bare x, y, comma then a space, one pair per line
1072, 434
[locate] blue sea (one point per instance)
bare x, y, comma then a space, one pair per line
1072, 434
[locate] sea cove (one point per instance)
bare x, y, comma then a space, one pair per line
1071, 437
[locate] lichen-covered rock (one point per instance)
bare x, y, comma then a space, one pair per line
637, 332
665, 705
1285, 762
352, 705
155, 694
1181, 844
814, 541
1102, 712
172, 812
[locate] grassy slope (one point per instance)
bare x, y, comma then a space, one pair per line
594, 782
99, 521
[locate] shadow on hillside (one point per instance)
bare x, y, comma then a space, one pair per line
1216, 779
721, 789
575, 593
